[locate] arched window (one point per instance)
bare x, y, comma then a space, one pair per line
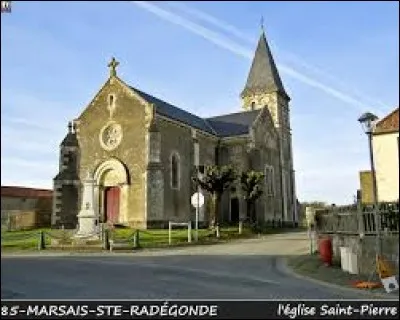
269, 180
253, 106
175, 171
111, 100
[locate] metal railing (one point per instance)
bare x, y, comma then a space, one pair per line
358, 219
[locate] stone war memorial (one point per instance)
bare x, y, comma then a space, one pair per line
128, 158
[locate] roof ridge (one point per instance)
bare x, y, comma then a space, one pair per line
234, 113
388, 115
26, 188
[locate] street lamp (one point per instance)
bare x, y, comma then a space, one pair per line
367, 122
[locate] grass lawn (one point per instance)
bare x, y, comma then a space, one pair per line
21, 240
28, 240
159, 237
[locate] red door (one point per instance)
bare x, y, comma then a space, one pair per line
112, 204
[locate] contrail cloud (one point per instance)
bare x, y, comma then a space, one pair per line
212, 20
232, 30
232, 46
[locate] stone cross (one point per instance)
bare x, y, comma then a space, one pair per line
113, 66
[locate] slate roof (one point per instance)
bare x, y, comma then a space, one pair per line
233, 124
222, 126
389, 123
168, 110
263, 75
22, 192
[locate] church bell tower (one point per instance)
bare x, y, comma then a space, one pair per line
264, 89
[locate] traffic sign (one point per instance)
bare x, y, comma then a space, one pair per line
197, 199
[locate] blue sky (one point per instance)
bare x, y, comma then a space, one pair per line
336, 59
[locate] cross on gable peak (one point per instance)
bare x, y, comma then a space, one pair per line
113, 67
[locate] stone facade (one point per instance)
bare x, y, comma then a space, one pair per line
23, 208
141, 153
278, 106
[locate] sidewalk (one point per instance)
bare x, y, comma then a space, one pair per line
311, 268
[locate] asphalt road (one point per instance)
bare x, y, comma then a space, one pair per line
244, 270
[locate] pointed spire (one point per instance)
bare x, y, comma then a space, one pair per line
263, 76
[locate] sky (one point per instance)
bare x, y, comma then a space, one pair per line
336, 60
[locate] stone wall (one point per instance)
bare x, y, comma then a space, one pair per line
22, 220
364, 247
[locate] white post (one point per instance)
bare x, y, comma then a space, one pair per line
240, 227
197, 165
190, 231
310, 218
169, 232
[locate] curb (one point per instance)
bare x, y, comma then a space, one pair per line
284, 266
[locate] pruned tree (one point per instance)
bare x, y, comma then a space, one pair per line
215, 180
251, 183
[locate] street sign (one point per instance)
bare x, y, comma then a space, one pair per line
197, 200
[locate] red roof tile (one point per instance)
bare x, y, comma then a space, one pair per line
389, 123
22, 192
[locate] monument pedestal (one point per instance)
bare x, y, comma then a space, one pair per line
88, 226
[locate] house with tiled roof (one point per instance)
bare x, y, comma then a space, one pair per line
23, 207
141, 152
385, 145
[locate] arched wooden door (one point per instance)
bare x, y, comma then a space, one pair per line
111, 203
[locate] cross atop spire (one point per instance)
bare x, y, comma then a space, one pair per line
263, 76
262, 24
113, 67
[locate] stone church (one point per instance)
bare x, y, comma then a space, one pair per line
141, 152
